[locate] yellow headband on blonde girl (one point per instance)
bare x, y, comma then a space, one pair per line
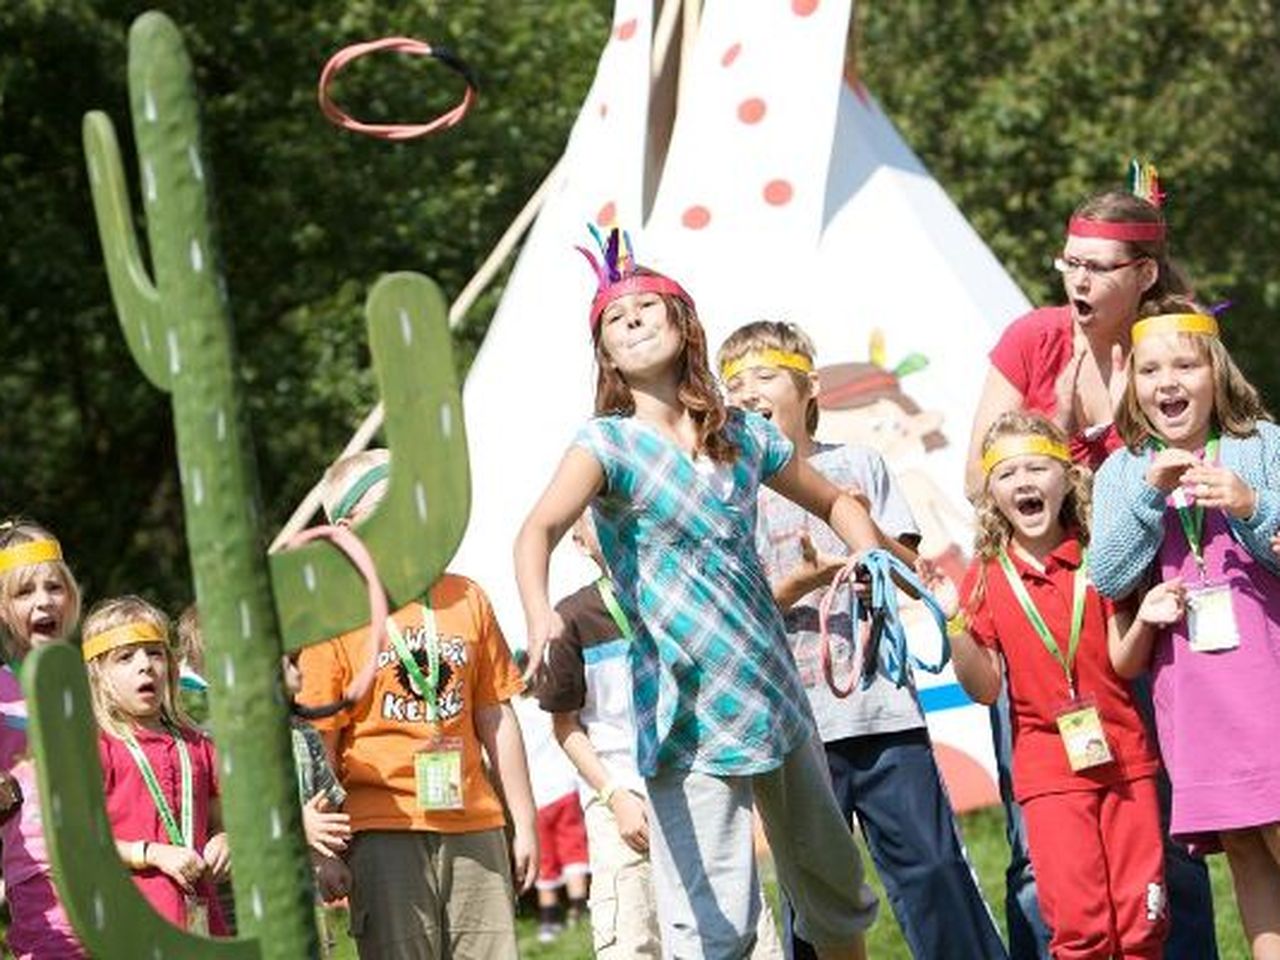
29, 554
1175, 323
766, 358
125, 635
1024, 445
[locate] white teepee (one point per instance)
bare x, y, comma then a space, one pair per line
785, 193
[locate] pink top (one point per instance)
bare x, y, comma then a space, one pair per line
25, 854
134, 816
1030, 354
1215, 712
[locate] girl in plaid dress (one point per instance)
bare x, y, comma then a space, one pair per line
722, 721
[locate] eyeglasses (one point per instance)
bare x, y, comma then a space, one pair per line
1069, 265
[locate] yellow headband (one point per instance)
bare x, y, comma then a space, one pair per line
1175, 323
1023, 445
29, 554
765, 358
125, 635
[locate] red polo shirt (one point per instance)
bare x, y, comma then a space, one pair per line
1038, 689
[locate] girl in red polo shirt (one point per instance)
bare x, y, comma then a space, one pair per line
1083, 767
160, 772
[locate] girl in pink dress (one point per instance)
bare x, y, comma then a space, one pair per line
1194, 499
39, 604
161, 782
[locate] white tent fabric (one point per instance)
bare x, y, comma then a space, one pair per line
786, 193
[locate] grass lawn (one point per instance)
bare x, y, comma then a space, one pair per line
984, 835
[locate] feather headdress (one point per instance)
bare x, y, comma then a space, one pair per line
617, 273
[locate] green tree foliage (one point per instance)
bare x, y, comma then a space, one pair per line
1020, 110
310, 217
1023, 109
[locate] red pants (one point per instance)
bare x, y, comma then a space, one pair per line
1098, 857
562, 841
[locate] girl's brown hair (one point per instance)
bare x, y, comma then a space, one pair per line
775, 335
14, 642
1121, 206
994, 529
697, 390
107, 615
1237, 408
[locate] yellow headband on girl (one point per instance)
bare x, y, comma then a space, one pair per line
1175, 323
765, 358
127, 634
29, 554
1024, 445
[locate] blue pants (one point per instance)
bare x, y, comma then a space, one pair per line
892, 783
1191, 933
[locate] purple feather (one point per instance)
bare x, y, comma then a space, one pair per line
602, 279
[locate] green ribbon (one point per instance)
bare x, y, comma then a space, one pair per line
426, 683
1192, 518
185, 836
358, 489
615, 609
1033, 616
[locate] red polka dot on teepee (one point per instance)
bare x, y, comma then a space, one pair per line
696, 217
803, 8
604, 110
626, 30
607, 216
751, 110
730, 55
777, 192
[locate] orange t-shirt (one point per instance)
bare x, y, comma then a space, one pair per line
379, 736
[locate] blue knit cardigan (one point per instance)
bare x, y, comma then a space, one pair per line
1128, 513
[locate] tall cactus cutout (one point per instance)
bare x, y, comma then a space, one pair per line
177, 325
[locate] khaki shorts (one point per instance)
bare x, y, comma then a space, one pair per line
624, 916
418, 895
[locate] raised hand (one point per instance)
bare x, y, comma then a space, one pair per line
1219, 488
1167, 468
940, 585
1065, 389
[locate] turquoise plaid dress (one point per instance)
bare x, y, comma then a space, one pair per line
716, 688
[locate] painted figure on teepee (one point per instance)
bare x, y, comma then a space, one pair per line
176, 320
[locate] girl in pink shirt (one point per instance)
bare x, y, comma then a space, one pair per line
159, 770
39, 604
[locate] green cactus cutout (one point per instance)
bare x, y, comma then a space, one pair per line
175, 320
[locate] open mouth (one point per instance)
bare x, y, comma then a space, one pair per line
1172, 409
1083, 308
45, 627
1029, 506
147, 688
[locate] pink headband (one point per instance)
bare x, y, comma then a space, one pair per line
1132, 232
616, 274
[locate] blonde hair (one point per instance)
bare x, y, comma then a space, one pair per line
107, 615
340, 477
190, 639
14, 641
1237, 408
994, 529
774, 335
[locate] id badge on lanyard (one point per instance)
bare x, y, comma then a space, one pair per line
437, 765
1079, 723
1211, 619
1080, 727
197, 915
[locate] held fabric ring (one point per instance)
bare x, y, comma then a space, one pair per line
355, 551
394, 131
885, 648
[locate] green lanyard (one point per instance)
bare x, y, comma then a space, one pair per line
178, 837
1037, 622
426, 683
1192, 518
615, 608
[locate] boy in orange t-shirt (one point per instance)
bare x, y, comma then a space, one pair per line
429, 860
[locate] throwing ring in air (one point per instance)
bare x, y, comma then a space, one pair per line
394, 131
